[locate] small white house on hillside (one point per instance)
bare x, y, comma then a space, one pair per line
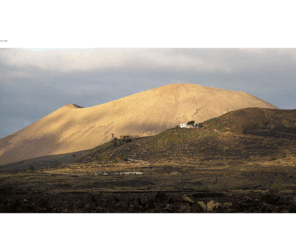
189, 126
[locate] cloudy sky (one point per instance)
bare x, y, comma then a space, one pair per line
35, 82
140, 47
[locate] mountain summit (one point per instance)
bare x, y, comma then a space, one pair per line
73, 128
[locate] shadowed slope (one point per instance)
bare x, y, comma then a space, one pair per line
268, 134
73, 128
256, 121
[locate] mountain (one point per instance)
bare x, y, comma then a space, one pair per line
74, 128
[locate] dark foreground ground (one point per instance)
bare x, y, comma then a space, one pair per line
150, 202
164, 188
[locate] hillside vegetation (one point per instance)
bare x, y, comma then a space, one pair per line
257, 121
246, 134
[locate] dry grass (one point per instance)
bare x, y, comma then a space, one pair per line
289, 161
175, 173
96, 167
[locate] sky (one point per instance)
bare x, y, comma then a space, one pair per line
102, 52
36, 82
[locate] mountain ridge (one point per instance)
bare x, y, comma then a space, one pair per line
74, 128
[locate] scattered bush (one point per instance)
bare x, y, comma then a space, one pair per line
212, 120
101, 158
191, 122
121, 156
242, 129
211, 134
31, 169
263, 123
286, 123
275, 187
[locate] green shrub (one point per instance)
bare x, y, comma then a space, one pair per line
211, 134
121, 156
31, 169
219, 123
212, 120
101, 158
263, 123
285, 123
191, 122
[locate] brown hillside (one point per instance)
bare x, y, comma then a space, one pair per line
268, 134
73, 128
257, 121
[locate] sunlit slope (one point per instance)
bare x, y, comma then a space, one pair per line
72, 128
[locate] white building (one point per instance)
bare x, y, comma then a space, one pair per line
189, 126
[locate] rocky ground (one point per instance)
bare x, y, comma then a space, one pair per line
165, 188
152, 202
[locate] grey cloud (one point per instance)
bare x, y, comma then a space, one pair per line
141, 60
